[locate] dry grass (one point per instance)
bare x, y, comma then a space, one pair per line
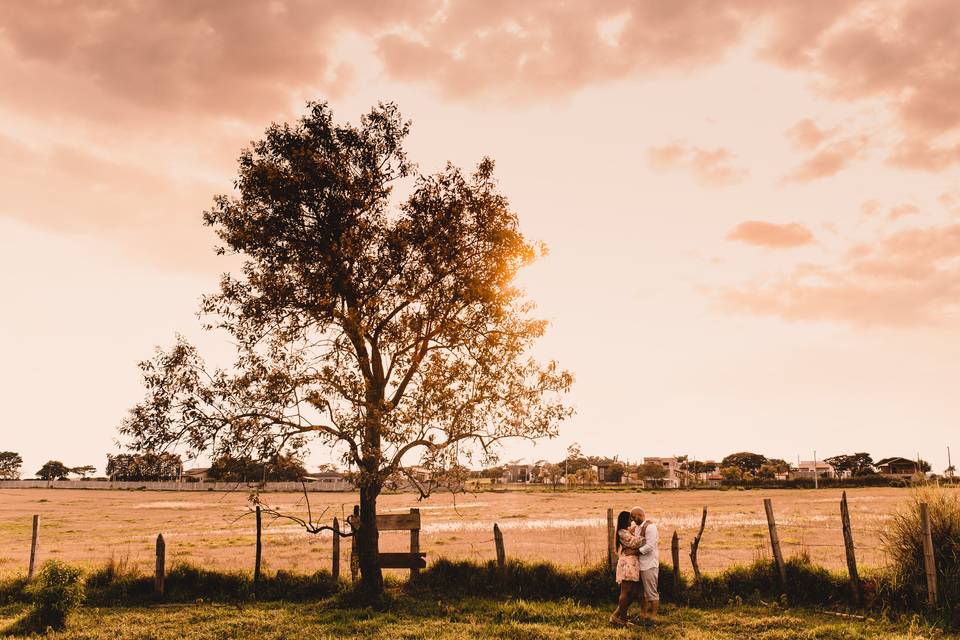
93, 527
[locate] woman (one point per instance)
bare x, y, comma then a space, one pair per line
629, 539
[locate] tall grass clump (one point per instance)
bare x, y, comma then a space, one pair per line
903, 543
56, 592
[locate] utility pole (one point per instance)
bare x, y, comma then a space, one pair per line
816, 480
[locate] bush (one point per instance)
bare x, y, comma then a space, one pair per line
904, 547
55, 592
528, 580
114, 585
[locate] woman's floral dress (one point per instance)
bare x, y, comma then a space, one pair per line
628, 566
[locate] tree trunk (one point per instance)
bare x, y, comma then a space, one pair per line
368, 544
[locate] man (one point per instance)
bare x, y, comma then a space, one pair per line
649, 565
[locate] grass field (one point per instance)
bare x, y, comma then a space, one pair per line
91, 527
461, 619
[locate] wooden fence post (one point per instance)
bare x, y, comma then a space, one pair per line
611, 541
675, 551
929, 562
775, 543
161, 559
695, 546
354, 558
256, 564
414, 543
856, 587
501, 553
335, 566
33, 546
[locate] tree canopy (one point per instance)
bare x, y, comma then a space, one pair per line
392, 331
10, 465
53, 470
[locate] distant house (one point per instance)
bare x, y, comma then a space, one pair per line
602, 471
714, 479
197, 474
809, 468
897, 466
325, 477
674, 478
517, 473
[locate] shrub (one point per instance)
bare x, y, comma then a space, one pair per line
56, 591
13, 589
904, 547
528, 580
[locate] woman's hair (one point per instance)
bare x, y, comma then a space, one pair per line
623, 522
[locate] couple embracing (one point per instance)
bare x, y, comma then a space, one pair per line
638, 566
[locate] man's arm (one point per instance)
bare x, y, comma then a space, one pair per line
652, 535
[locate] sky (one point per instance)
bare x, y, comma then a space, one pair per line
752, 208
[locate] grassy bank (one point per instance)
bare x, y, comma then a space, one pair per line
415, 617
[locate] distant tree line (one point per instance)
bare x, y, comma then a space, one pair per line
742, 467
145, 467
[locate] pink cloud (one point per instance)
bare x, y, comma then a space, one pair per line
908, 278
902, 210
711, 167
807, 135
829, 160
770, 235
71, 191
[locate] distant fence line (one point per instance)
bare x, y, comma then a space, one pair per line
337, 486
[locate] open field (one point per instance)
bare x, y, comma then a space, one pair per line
462, 619
93, 527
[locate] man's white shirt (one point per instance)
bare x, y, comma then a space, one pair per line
650, 552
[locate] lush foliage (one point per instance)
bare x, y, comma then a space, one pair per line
10, 464
279, 468
53, 470
56, 591
144, 467
904, 547
392, 332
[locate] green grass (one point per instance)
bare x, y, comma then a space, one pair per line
459, 619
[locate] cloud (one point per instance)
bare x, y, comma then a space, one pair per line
216, 59
829, 160
807, 135
543, 49
68, 190
770, 235
901, 210
711, 167
908, 278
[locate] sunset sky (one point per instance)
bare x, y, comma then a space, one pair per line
752, 208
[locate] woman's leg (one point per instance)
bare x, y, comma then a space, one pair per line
626, 596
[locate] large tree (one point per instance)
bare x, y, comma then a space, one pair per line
391, 331
746, 461
10, 464
53, 470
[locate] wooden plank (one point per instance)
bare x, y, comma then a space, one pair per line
33, 546
399, 521
415, 542
929, 561
775, 543
403, 560
856, 587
